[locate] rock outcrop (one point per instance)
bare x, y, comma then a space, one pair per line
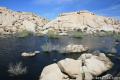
12, 22
70, 67
24, 54
75, 48
52, 72
30, 54
85, 68
96, 65
83, 21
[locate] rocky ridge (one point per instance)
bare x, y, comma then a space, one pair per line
84, 21
12, 22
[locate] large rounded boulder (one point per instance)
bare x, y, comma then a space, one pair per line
84, 68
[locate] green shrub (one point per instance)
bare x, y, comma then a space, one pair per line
23, 33
104, 33
116, 36
53, 34
77, 34
109, 33
40, 34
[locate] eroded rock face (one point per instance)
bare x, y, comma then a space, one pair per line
12, 22
85, 68
75, 48
83, 21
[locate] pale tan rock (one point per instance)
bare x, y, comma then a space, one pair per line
96, 65
86, 67
25, 54
29, 26
52, 72
88, 76
20, 21
70, 67
84, 21
75, 48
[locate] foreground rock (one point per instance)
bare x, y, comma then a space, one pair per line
96, 65
84, 21
85, 68
75, 48
70, 67
52, 72
12, 22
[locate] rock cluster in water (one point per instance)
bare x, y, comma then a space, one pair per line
12, 22
29, 54
84, 68
75, 48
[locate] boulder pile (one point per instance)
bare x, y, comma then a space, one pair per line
75, 48
12, 22
84, 68
83, 21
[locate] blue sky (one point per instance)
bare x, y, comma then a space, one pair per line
52, 8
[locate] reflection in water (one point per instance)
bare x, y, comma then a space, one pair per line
105, 44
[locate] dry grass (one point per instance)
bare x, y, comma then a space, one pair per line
47, 47
17, 69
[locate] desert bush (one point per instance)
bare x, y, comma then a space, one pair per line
77, 34
40, 34
53, 34
48, 47
116, 36
23, 33
17, 69
113, 34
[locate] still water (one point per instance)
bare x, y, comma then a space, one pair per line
11, 49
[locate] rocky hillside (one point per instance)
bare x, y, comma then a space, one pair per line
83, 21
12, 22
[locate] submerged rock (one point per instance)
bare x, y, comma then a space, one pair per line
25, 54
85, 68
75, 48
